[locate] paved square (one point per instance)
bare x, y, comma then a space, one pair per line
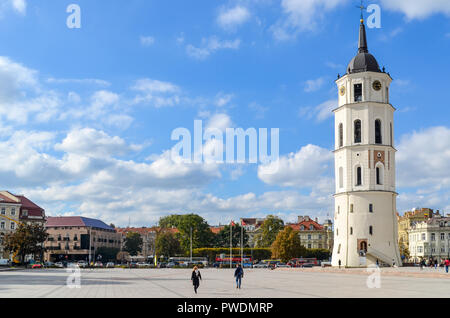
219, 283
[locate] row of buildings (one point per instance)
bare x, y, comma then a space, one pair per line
422, 233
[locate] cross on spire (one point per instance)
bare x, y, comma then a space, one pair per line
362, 7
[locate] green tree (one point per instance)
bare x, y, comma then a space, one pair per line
201, 233
223, 237
27, 239
287, 245
167, 244
108, 253
269, 231
133, 243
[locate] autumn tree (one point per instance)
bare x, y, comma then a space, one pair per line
28, 239
287, 245
223, 237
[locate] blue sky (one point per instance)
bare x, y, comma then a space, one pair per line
86, 114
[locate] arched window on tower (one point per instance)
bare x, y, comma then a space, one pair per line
358, 92
378, 137
371, 230
379, 174
357, 129
341, 135
358, 176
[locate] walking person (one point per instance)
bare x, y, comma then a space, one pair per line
196, 277
447, 264
239, 274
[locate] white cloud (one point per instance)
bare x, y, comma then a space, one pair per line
302, 15
157, 93
219, 121
320, 112
223, 99
231, 18
147, 40
417, 9
84, 81
314, 85
93, 143
20, 6
210, 46
310, 166
423, 159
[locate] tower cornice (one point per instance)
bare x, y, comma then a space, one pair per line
364, 191
362, 104
364, 146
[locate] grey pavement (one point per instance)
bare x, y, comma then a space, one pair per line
219, 283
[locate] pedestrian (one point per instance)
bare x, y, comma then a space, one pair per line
447, 264
196, 277
435, 264
339, 264
239, 274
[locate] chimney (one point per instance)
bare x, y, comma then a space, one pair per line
317, 220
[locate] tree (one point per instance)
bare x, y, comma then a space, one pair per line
108, 253
167, 244
201, 233
269, 231
123, 256
404, 251
223, 237
287, 245
27, 239
133, 243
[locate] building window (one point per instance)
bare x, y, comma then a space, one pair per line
337, 232
378, 138
339, 249
3, 211
358, 92
371, 208
357, 129
358, 176
13, 211
13, 226
341, 135
351, 208
311, 227
442, 236
309, 237
371, 230
2, 225
433, 236
309, 245
387, 95
424, 236
351, 231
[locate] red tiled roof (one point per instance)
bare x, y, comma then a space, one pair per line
143, 230
306, 224
76, 221
27, 204
216, 229
5, 199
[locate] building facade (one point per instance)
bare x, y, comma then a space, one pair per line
407, 220
77, 238
312, 234
252, 228
9, 219
148, 236
430, 239
365, 230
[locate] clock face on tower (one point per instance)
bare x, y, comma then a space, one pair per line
376, 85
342, 90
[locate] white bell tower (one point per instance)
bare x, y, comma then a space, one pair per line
365, 230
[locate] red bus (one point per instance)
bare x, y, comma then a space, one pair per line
299, 262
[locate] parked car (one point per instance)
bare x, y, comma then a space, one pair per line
307, 265
162, 265
282, 265
98, 264
110, 265
260, 265
59, 264
34, 266
82, 264
325, 264
49, 264
172, 264
142, 264
5, 262
132, 265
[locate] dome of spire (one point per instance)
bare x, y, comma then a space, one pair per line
363, 61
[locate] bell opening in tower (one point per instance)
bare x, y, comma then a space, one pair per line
358, 92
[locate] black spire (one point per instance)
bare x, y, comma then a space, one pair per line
362, 47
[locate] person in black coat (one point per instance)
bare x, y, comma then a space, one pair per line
196, 277
239, 274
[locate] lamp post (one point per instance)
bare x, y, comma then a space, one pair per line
191, 242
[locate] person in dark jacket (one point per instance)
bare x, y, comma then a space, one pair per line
239, 274
196, 277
